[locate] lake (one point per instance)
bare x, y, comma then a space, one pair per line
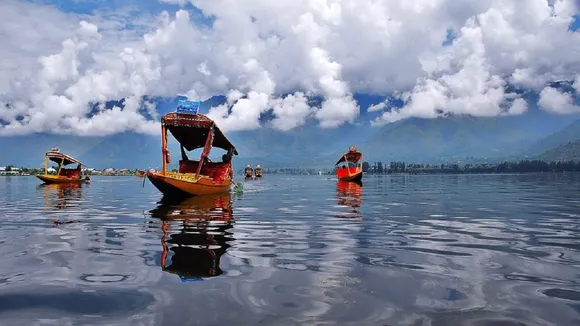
294, 250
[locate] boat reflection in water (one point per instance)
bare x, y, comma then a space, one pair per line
349, 193
195, 234
62, 195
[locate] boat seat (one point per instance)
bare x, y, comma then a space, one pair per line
188, 166
71, 173
217, 171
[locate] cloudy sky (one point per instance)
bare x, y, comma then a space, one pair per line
270, 57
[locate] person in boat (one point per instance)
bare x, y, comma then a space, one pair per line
226, 158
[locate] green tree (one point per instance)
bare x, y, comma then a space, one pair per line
365, 167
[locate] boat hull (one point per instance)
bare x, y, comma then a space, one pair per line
59, 179
354, 175
181, 185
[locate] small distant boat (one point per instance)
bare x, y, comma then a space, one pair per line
63, 175
248, 171
140, 174
193, 131
259, 171
349, 166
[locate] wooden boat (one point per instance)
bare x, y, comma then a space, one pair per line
349, 166
63, 175
193, 131
259, 171
248, 172
140, 174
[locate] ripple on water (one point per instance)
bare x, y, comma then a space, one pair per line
438, 250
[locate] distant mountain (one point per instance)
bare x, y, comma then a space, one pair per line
567, 152
457, 137
568, 134
412, 140
29, 150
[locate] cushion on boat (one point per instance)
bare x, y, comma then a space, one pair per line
217, 171
187, 166
71, 173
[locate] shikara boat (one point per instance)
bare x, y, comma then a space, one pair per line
63, 175
259, 171
248, 172
193, 131
349, 166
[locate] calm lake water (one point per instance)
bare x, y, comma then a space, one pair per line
294, 250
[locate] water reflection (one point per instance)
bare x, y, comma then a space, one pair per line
196, 232
350, 194
61, 196
431, 250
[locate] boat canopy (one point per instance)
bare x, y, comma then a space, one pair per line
191, 131
56, 156
351, 156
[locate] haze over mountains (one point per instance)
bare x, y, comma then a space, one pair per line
444, 139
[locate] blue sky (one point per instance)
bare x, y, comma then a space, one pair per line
575, 26
136, 7
89, 6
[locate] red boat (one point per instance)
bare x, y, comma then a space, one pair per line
349, 166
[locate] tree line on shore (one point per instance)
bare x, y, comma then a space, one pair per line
524, 166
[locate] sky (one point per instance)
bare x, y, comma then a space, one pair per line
270, 58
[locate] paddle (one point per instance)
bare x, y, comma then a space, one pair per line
238, 187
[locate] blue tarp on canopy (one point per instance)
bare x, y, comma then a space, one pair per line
185, 106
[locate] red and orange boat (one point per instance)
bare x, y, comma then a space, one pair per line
193, 131
63, 175
259, 171
349, 166
249, 172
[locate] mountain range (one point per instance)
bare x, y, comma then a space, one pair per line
445, 139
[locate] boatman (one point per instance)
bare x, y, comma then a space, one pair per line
226, 158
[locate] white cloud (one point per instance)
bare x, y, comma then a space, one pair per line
290, 111
378, 107
554, 101
258, 51
505, 40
